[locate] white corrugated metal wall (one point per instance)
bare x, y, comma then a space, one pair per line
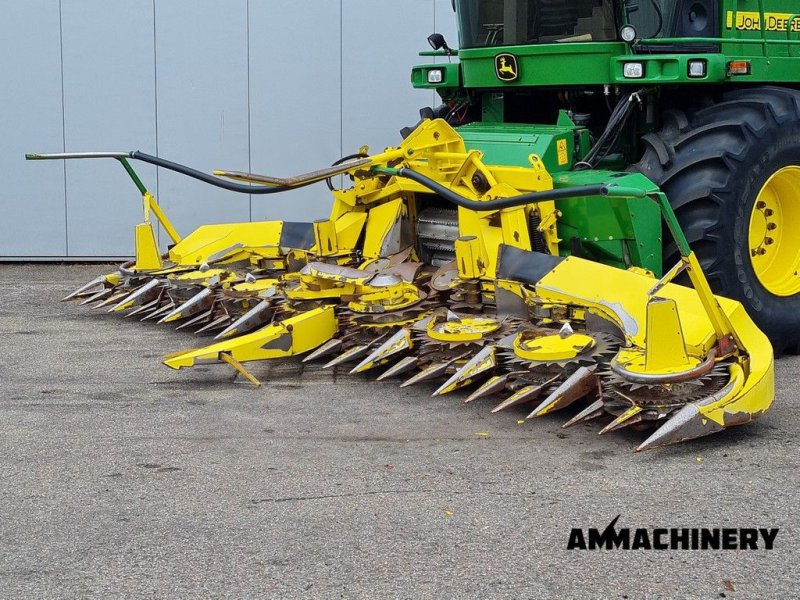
272, 86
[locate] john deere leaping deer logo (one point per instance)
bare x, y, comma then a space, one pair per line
506, 67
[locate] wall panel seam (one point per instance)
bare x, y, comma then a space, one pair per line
341, 78
155, 108
249, 121
63, 126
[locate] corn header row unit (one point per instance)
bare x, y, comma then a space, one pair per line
601, 217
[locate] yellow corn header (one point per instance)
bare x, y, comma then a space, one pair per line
436, 267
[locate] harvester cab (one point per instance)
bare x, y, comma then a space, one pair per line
593, 218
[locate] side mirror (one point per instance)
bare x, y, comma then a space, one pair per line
437, 42
453, 2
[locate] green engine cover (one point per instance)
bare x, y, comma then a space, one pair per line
614, 231
513, 143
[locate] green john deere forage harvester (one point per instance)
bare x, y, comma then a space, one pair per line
701, 96
603, 211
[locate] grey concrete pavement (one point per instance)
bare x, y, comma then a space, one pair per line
122, 478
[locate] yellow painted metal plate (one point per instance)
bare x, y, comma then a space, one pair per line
258, 285
383, 299
148, 258
635, 361
201, 277
208, 240
348, 230
380, 222
290, 337
623, 296
463, 330
552, 347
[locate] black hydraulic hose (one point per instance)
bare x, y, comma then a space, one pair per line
357, 155
614, 128
660, 18
216, 181
521, 200
434, 186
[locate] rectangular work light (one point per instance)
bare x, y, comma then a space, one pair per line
435, 76
633, 70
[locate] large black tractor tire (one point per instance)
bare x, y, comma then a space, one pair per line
713, 164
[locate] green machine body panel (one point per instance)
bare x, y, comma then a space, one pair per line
547, 64
620, 232
513, 143
764, 32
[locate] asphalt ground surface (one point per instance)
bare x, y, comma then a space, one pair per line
122, 478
